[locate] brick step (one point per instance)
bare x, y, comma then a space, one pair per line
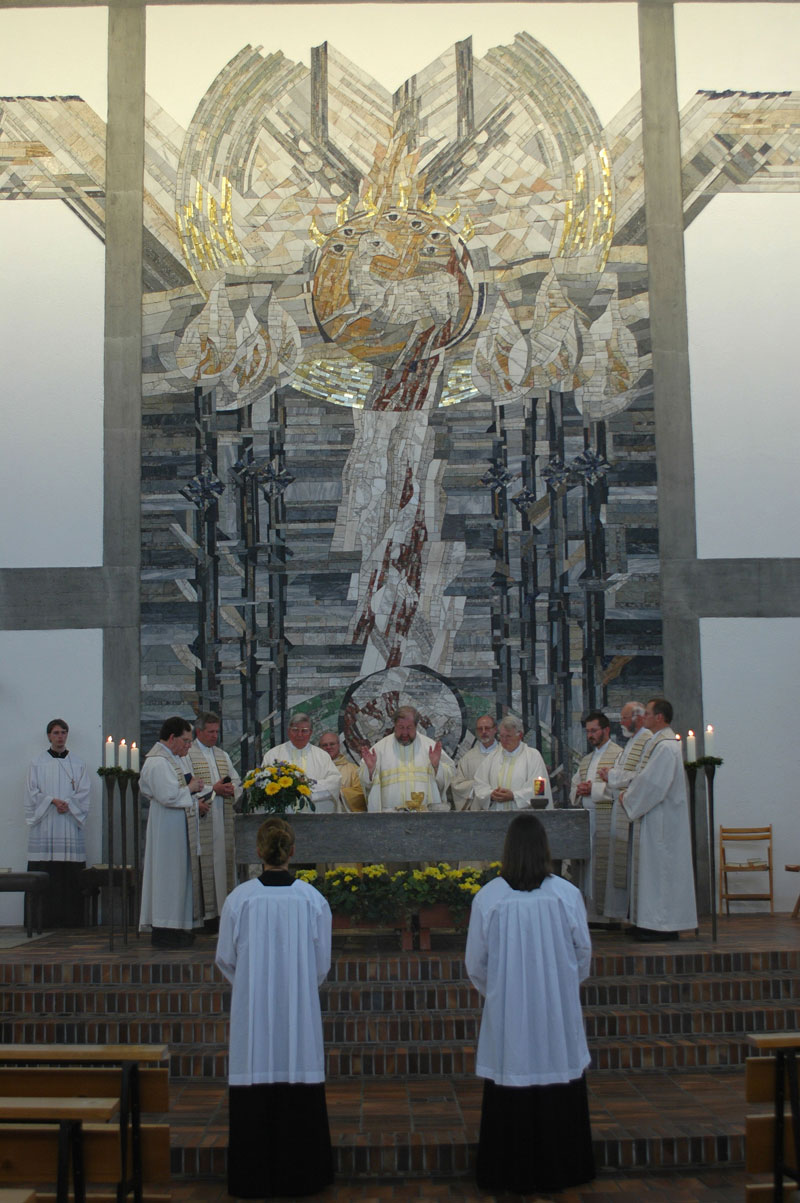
416, 1129
173, 1002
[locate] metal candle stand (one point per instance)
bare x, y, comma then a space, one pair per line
111, 778
709, 766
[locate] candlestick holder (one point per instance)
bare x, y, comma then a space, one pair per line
113, 777
691, 773
709, 765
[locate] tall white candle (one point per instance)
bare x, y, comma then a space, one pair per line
108, 759
691, 746
709, 741
122, 754
134, 758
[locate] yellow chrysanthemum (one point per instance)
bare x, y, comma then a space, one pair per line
304, 790
272, 788
284, 782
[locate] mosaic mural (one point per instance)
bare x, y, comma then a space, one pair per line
398, 435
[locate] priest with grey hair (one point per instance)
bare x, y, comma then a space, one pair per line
620, 844
513, 775
222, 789
316, 764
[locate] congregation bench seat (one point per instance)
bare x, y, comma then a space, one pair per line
65, 1084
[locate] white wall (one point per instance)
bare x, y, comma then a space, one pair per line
750, 671
44, 675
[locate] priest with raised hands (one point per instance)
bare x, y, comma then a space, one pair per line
662, 887
405, 763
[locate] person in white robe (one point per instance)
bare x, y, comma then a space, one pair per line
528, 950
662, 887
620, 775
514, 775
274, 948
590, 791
222, 788
56, 808
316, 764
405, 763
461, 787
170, 891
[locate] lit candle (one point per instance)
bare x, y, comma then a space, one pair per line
122, 754
134, 758
691, 746
709, 740
678, 738
538, 786
108, 760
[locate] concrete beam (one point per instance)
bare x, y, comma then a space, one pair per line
64, 599
123, 356
768, 588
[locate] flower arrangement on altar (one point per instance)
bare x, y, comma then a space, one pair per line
276, 789
373, 894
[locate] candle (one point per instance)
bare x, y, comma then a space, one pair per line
709, 740
123, 754
538, 786
108, 760
134, 758
691, 746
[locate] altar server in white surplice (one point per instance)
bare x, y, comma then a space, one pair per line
590, 791
222, 787
56, 806
663, 900
506, 780
461, 787
316, 764
620, 775
170, 884
274, 948
405, 763
528, 950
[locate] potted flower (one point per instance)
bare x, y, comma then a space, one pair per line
276, 789
369, 896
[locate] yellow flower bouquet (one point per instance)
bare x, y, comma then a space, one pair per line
277, 789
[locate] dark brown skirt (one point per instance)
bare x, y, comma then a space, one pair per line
279, 1142
535, 1138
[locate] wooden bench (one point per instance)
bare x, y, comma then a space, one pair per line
132, 1076
33, 885
70, 1114
772, 1141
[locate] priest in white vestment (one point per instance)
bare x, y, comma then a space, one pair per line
316, 764
528, 950
405, 763
274, 948
590, 791
461, 787
56, 806
222, 788
170, 889
618, 777
513, 775
663, 898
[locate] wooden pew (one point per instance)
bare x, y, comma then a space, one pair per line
131, 1076
69, 1113
772, 1141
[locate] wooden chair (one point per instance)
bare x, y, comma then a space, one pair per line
737, 836
794, 869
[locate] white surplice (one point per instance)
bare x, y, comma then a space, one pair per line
316, 764
274, 948
461, 787
52, 836
515, 771
663, 885
527, 953
403, 769
167, 899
